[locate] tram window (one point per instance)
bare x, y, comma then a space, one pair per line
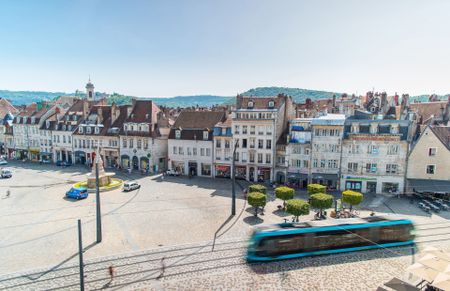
337, 239
393, 233
281, 245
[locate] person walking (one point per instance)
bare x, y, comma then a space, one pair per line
112, 273
163, 268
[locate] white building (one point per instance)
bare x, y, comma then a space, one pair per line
143, 138
374, 155
258, 123
326, 145
191, 142
298, 152
223, 149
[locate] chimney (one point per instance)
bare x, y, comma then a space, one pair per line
100, 115
85, 108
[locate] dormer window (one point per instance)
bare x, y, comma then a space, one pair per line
271, 104
64, 127
250, 104
69, 127
80, 129
47, 124
88, 129
394, 129
67, 117
97, 130
24, 120
33, 120
205, 135
140, 128
177, 134
125, 127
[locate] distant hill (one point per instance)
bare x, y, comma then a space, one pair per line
299, 95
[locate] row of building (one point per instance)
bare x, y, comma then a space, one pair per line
373, 144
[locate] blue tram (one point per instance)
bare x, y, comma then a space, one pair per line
293, 240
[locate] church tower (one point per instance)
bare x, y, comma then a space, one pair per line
90, 94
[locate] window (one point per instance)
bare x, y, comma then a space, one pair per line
271, 104
139, 144
208, 152
236, 129
194, 151
322, 163
188, 150
244, 143
177, 134
268, 159
124, 143
224, 131
260, 143
252, 129
131, 143
268, 144
260, 158
431, 169
260, 129
432, 151
252, 157
218, 143
244, 129
391, 168
305, 163
227, 154
88, 129
180, 151
371, 168
252, 143
269, 129
250, 104
352, 167
227, 144
202, 152
145, 143
244, 157
205, 135
80, 129
315, 164
389, 187
97, 130
332, 164
373, 149
64, 139
393, 150
218, 154
306, 151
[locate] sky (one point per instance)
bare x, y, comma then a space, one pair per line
223, 47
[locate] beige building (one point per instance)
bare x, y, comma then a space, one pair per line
429, 160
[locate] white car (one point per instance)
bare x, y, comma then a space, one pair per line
3, 162
130, 186
172, 173
5, 173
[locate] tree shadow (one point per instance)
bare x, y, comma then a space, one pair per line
281, 213
253, 220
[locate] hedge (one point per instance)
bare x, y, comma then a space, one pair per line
284, 193
297, 207
256, 199
257, 188
316, 188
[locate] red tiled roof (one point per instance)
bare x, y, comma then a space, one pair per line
5, 107
427, 109
259, 102
443, 134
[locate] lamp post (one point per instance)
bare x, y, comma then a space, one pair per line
233, 186
97, 198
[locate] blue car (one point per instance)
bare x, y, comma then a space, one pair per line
77, 194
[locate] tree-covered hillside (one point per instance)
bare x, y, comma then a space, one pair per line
299, 95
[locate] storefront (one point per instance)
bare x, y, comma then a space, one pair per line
297, 180
145, 164
353, 185
22, 154
390, 188
178, 167
125, 161
223, 171
329, 180
80, 157
46, 157
241, 172
192, 166
263, 174
206, 169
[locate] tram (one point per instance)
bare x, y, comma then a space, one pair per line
293, 240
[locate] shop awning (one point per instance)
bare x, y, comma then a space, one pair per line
424, 185
297, 176
325, 176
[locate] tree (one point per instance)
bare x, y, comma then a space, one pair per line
284, 193
352, 198
316, 188
256, 199
297, 207
321, 201
257, 188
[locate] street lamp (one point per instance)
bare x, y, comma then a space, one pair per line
97, 199
233, 186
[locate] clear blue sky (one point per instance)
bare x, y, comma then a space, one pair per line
166, 48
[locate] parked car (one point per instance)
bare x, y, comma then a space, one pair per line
77, 193
3, 162
63, 163
172, 173
130, 186
6, 173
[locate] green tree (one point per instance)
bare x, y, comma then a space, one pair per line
297, 207
257, 188
316, 188
284, 193
352, 198
256, 199
321, 201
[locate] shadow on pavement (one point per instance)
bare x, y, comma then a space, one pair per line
253, 220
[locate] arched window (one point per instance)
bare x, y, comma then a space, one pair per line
250, 104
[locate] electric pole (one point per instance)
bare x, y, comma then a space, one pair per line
80, 255
233, 180
97, 199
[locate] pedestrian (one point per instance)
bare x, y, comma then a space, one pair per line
163, 268
8, 193
112, 273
